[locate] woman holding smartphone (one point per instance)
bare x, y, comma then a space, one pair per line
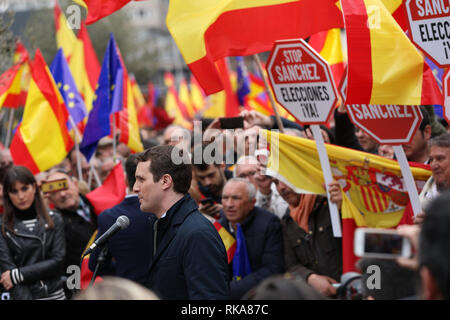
32, 246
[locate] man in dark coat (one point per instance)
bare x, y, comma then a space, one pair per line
189, 260
262, 233
310, 249
80, 220
129, 251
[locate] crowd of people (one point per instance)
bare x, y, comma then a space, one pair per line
174, 247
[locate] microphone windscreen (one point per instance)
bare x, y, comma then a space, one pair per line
123, 222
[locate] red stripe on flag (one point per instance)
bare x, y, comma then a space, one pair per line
206, 75
371, 198
98, 9
364, 196
90, 58
15, 101
317, 40
430, 89
86, 274
360, 80
57, 14
348, 256
231, 251
247, 31
20, 153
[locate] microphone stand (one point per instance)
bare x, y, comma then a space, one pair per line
101, 258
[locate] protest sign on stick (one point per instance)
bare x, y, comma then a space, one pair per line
429, 25
302, 83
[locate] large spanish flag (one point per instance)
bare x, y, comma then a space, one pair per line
374, 192
207, 30
42, 139
384, 66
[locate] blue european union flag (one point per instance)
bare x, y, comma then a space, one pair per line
66, 85
243, 86
108, 99
241, 262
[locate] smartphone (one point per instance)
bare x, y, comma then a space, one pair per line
54, 185
232, 123
381, 244
206, 201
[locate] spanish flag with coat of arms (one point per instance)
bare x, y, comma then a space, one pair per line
374, 192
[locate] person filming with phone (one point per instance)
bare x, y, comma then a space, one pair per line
210, 177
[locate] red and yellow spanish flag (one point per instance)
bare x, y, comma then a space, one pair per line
85, 273
185, 98
198, 96
85, 67
139, 100
128, 117
8, 83
228, 240
14, 82
257, 99
42, 139
208, 30
174, 107
328, 45
384, 66
374, 191
65, 38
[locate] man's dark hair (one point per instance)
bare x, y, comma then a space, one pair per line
396, 282
161, 163
434, 242
130, 170
425, 118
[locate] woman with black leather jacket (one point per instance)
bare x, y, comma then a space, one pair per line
32, 246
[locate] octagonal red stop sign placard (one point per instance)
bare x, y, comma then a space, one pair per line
429, 25
387, 124
301, 80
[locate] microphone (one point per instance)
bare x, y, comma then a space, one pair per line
122, 222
